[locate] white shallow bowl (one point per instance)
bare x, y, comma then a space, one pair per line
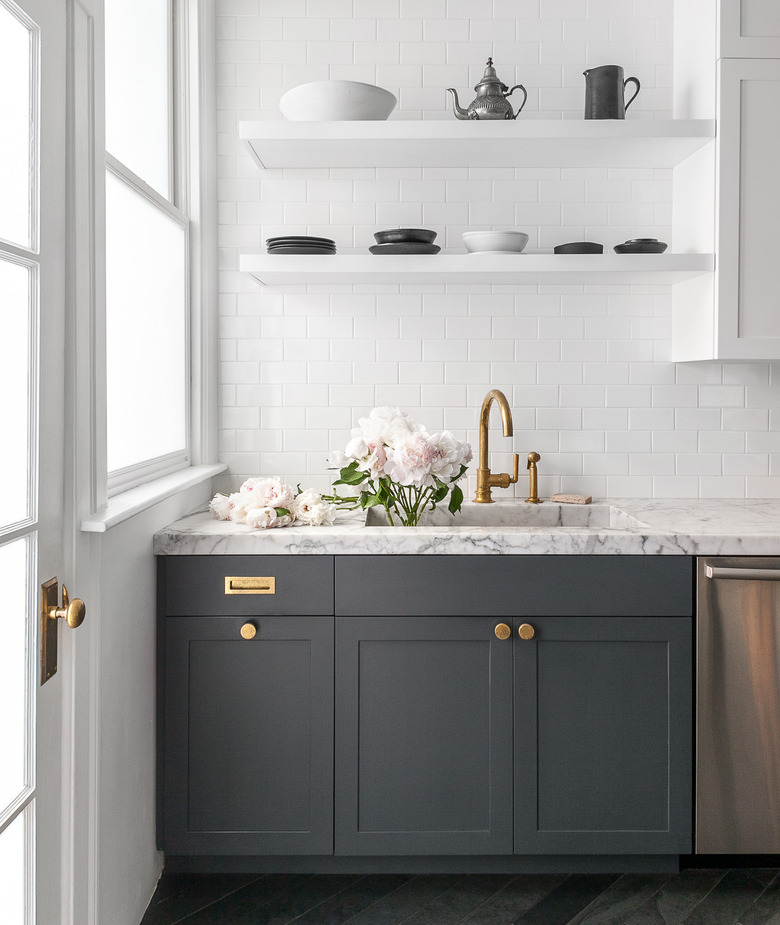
495, 242
337, 101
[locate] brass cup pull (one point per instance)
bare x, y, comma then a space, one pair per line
526, 631
503, 631
248, 631
72, 611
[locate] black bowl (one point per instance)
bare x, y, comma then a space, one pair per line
579, 247
641, 246
405, 236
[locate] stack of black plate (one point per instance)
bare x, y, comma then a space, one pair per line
300, 244
405, 241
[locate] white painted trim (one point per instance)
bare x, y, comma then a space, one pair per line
201, 61
122, 507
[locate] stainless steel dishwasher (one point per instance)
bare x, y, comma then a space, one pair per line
738, 706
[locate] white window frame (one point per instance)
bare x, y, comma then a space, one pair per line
193, 206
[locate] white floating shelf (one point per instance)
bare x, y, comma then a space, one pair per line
454, 143
465, 269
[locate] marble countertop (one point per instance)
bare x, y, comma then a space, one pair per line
619, 526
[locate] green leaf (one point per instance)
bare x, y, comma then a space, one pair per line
373, 501
456, 500
350, 476
282, 512
441, 493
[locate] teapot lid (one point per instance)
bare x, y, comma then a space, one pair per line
489, 77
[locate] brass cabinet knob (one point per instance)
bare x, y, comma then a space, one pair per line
526, 631
503, 631
248, 631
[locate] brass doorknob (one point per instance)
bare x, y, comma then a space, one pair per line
526, 631
248, 631
72, 611
503, 631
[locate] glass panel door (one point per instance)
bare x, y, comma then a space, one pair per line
32, 284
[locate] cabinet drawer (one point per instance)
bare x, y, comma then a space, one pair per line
227, 585
621, 586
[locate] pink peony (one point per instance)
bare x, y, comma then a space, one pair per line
409, 462
268, 492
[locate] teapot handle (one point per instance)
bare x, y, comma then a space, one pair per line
525, 98
631, 80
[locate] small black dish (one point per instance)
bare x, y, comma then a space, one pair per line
641, 246
405, 235
579, 247
406, 247
300, 249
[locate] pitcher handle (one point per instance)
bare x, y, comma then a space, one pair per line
525, 97
631, 80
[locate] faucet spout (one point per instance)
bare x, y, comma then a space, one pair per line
485, 478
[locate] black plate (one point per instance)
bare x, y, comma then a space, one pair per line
635, 247
579, 247
300, 249
405, 235
409, 247
299, 239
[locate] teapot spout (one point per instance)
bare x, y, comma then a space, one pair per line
460, 113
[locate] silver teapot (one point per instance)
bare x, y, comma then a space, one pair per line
491, 101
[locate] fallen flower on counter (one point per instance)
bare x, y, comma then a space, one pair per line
267, 502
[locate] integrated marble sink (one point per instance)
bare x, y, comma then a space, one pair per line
519, 515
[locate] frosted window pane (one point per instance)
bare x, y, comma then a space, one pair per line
15, 119
12, 872
137, 88
13, 670
15, 387
146, 329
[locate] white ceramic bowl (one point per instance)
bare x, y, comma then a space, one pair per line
495, 242
337, 101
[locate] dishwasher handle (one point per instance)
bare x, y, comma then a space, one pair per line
743, 574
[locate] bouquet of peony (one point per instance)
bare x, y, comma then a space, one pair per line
264, 503
400, 467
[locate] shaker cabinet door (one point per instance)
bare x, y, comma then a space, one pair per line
603, 736
748, 323
749, 29
424, 736
248, 736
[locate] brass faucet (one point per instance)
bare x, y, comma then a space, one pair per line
533, 491
485, 478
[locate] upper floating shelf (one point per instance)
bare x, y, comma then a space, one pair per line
466, 269
453, 143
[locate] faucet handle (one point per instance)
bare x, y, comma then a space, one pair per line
515, 469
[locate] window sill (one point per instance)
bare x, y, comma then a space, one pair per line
123, 506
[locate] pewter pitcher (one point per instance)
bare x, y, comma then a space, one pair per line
605, 92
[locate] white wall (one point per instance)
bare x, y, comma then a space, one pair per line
587, 369
129, 863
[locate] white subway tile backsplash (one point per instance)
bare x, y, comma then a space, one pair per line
587, 369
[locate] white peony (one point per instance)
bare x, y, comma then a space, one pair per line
309, 508
449, 455
241, 502
409, 461
268, 492
262, 518
386, 425
220, 506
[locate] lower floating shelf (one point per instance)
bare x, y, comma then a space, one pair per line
466, 269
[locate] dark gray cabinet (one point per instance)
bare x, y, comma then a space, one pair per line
424, 736
446, 738
246, 735
593, 713
603, 736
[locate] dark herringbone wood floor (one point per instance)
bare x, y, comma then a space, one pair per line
692, 897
